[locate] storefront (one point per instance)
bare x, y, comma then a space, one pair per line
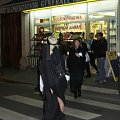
80, 17
68, 16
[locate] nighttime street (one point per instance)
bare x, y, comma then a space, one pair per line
47, 40
20, 101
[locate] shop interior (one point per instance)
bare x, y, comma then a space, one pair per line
88, 17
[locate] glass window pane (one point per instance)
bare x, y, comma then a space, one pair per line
68, 10
102, 5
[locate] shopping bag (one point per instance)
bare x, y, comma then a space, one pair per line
87, 58
41, 84
67, 77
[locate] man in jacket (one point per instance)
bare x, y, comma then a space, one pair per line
101, 56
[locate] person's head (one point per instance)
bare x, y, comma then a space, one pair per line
77, 43
52, 40
99, 35
91, 36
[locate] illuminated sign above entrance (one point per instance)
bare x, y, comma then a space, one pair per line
47, 3
17, 7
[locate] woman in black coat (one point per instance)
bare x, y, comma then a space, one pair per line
76, 64
53, 75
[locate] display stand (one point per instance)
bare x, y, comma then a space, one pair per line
112, 59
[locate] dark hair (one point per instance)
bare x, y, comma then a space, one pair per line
100, 33
76, 40
80, 41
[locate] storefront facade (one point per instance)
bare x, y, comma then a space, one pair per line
67, 16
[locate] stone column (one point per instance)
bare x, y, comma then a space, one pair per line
87, 23
118, 27
25, 40
31, 25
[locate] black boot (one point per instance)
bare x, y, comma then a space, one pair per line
79, 93
75, 95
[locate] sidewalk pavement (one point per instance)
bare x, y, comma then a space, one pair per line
29, 76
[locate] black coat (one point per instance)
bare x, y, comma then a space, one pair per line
94, 46
74, 63
76, 68
101, 48
51, 80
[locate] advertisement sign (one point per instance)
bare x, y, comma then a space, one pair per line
17, 7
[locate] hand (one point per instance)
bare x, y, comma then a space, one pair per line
61, 104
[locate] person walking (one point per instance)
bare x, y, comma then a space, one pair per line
91, 45
75, 64
101, 56
54, 81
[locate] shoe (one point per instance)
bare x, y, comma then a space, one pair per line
79, 93
104, 81
96, 80
101, 82
75, 95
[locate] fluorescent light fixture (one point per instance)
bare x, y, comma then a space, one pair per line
107, 13
94, 16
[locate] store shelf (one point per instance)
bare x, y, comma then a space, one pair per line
112, 32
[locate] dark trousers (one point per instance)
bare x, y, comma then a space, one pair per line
92, 61
87, 69
76, 79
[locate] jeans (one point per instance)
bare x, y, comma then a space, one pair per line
101, 68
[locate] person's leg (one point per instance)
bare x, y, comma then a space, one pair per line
101, 68
80, 81
71, 82
92, 61
87, 69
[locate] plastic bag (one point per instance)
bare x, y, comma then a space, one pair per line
87, 58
